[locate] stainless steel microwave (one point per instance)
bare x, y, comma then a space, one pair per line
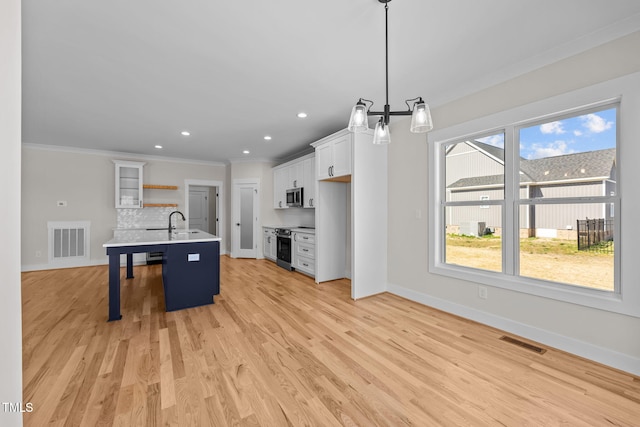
294, 198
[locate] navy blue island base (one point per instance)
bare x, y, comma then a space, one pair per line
190, 273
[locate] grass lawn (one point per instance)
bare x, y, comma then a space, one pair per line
547, 259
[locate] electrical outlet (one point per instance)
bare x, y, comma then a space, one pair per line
482, 292
38, 254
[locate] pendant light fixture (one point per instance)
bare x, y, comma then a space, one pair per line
419, 111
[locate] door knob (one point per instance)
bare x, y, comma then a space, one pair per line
238, 224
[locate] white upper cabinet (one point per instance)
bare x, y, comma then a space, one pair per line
128, 184
342, 156
334, 157
309, 176
324, 158
295, 176
280, 182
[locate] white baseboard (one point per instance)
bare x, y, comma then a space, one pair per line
608, 357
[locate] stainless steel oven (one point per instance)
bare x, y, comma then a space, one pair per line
284, 248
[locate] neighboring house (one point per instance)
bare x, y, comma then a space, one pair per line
474, 171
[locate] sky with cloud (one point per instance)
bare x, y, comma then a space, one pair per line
589, 132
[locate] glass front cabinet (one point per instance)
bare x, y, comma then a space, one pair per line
128, 184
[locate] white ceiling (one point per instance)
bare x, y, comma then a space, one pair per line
125, 75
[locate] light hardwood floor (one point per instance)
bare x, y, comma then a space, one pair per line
276, 350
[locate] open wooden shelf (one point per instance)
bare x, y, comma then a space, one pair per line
160, 205
159, 187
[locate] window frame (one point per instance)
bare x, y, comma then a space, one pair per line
598, 97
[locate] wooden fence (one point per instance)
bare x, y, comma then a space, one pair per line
595, 235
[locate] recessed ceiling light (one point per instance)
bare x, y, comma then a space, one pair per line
158, 146
245, 152
302, 115
185, 133
267, 138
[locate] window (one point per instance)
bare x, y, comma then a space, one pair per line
529, 204
484, 197
567, 170
474, 175
546, 192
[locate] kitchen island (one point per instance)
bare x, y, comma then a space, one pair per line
190, 265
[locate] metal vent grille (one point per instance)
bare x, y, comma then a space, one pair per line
68, 241
523, 344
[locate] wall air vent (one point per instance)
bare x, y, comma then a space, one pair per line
523, 344
69, 242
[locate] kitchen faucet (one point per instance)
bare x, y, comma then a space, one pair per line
171, 214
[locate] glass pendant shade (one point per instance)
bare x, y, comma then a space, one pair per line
358, 121
381, 135
421, 118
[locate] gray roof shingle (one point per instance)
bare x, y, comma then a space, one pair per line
576, 166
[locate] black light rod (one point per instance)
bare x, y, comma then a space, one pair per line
391, 113
386, 59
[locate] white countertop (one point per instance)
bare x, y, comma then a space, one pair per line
135, 237
293, 228
304, 230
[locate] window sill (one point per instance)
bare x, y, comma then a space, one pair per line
594, 298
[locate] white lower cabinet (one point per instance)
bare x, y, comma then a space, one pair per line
269, 241
304, 252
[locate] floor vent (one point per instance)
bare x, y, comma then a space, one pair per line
69, 242
523, 344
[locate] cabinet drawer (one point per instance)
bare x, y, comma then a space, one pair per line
305, 238
305, 250
305, 264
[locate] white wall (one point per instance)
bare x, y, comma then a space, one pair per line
86, 181
10, 303
268, 215
600, 335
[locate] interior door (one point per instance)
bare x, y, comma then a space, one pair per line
199, 208
245, 216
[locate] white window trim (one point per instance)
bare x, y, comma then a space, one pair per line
626, 91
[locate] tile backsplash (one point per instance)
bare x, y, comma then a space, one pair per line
147, 218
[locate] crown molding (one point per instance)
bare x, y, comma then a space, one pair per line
133, 156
